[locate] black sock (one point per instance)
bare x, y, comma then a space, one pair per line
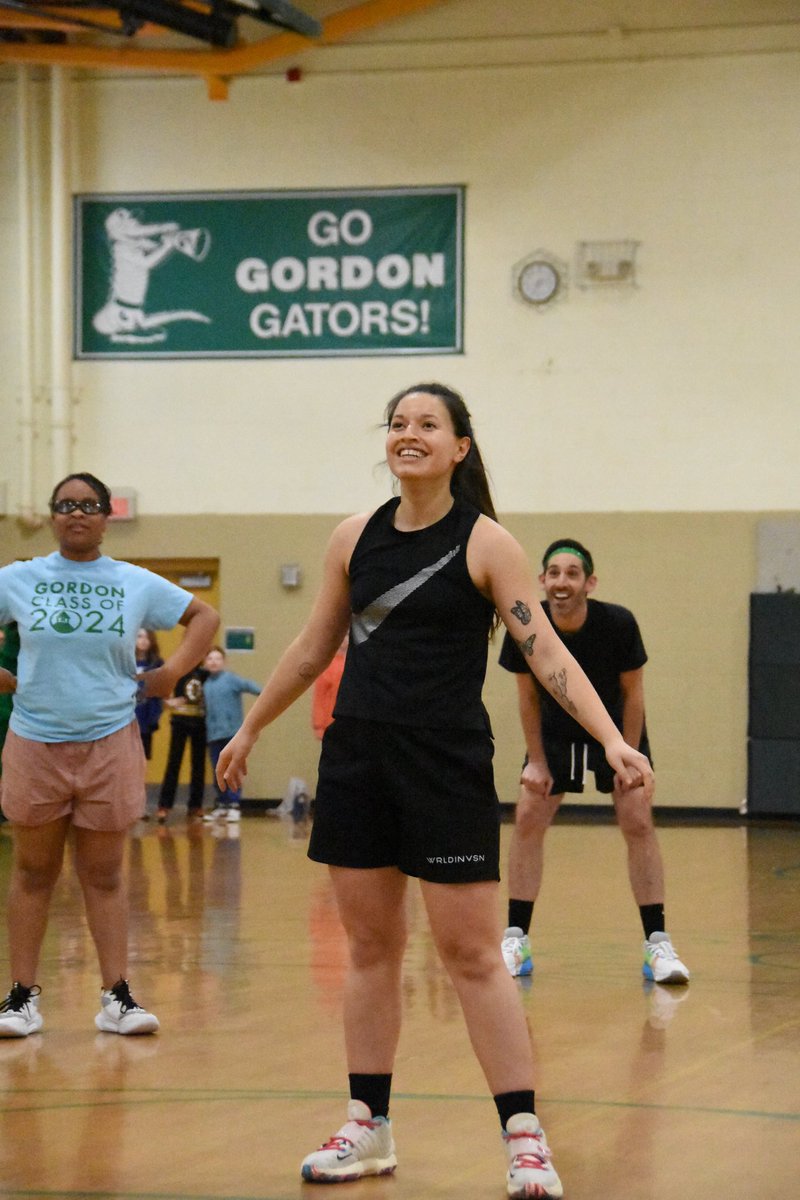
652, 918
520, 914
372, 1090
511, 1103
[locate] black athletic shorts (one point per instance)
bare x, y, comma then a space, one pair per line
569, 762
422, 800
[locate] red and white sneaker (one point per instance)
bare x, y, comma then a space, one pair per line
531, 1174
363, 1146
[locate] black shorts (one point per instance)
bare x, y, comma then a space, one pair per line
569, 762
422, 800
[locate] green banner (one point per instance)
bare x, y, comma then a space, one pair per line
266, 274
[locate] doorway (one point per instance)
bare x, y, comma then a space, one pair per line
201, 577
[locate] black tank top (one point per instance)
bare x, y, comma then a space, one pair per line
419, 630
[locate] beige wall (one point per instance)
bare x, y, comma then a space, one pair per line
656, 424
675, 396
686, 576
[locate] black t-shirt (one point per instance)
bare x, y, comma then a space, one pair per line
189, 690
607, 644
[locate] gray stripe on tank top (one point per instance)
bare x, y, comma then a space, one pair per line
363, 624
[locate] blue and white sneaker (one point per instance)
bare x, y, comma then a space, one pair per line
516, 948
363, 1146
217, 814
530, 1169
661, 962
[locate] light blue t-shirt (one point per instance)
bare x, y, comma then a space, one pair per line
78, 622
222, 693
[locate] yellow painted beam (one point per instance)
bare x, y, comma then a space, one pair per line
217, 88
219, 64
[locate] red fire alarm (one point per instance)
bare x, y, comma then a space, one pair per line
294, 75
123, 504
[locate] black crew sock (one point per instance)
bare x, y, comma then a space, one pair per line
511, 1103
520, 914
652, 918
372, 1090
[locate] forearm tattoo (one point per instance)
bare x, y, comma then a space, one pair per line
520, 610
527, 646
558, 686
306, 670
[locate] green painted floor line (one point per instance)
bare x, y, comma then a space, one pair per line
156, 1096
83, 1194
706, 1110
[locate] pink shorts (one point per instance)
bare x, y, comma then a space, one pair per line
99, 784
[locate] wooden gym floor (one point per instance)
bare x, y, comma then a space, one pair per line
644, 1094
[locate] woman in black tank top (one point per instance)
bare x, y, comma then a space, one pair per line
405, 775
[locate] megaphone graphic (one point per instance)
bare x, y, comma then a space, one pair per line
194, 243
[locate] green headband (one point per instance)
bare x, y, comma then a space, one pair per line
570, 550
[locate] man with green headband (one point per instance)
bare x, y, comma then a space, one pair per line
605, 640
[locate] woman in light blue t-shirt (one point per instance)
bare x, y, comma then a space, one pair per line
73, 758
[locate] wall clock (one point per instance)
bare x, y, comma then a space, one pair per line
538, 281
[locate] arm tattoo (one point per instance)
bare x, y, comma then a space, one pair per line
306, 670
527, 646
521, 611
558, 682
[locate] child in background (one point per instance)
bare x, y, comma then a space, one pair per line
187, 723
9, 653
148, 708
223, 692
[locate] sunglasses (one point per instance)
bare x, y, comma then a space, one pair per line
90, 507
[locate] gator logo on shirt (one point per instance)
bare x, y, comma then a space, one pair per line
65, 622
193, 691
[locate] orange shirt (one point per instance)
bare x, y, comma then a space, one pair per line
325, 688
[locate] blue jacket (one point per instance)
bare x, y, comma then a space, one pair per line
148, 711
223, 697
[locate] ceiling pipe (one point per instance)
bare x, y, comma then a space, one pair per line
27, 515
60, 291
217, 28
